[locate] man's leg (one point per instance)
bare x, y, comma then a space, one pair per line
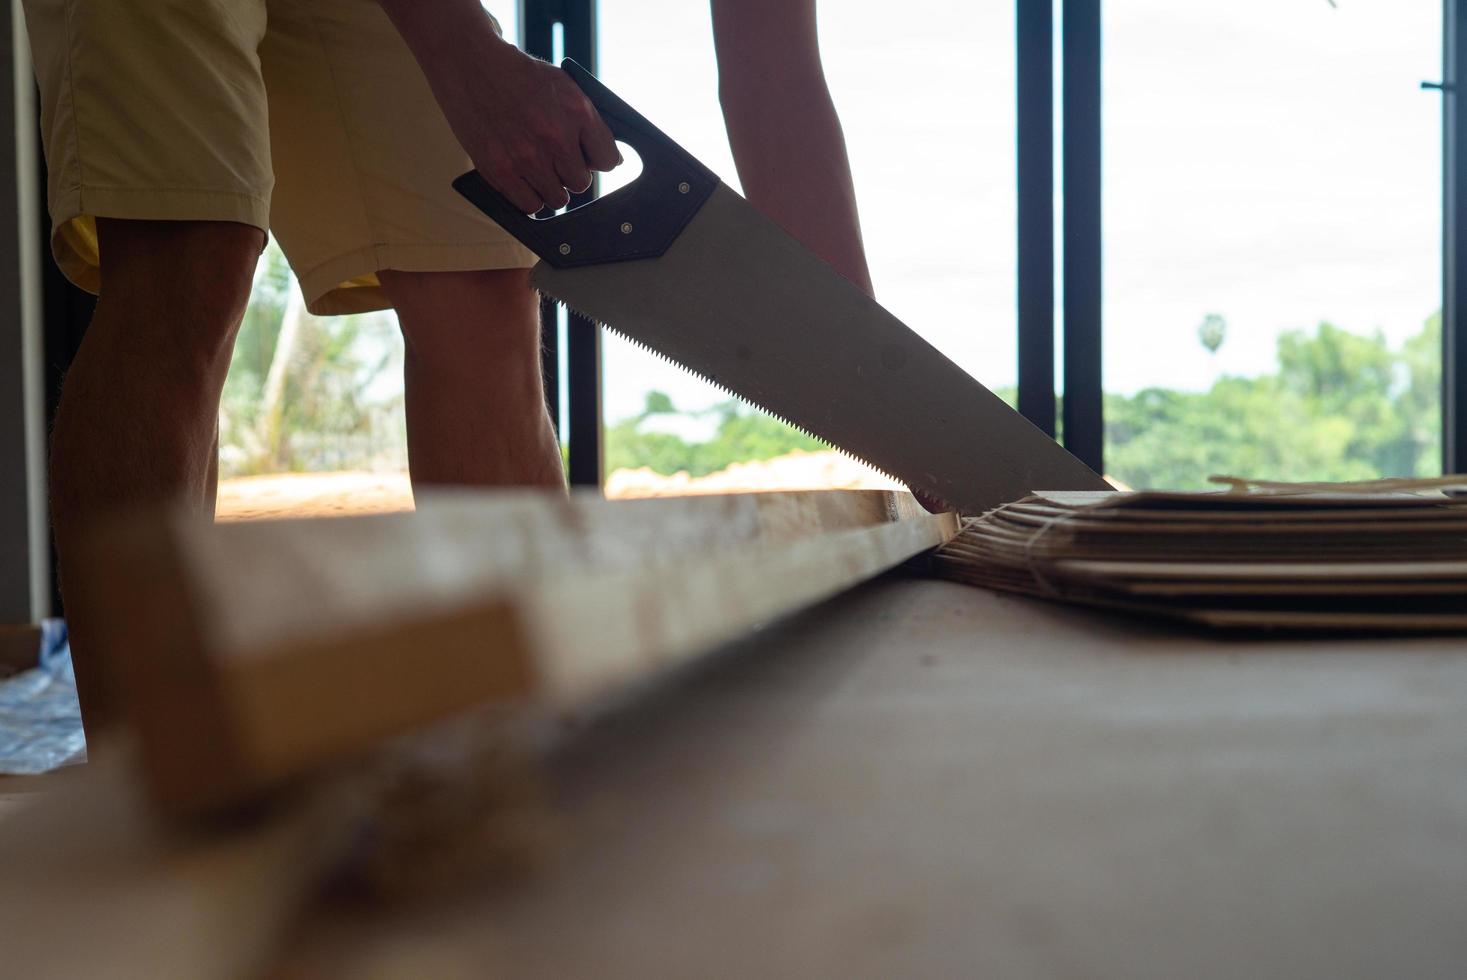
139, 408
476, 412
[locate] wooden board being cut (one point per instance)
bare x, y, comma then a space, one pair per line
249, 654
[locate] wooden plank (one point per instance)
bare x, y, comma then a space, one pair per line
249, 654
213, 903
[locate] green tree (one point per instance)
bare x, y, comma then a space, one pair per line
1420, 400
1212, 332
741, 434
1342, 406
302, 391
658, 403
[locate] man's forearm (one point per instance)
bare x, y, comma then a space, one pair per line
790, 153
529, 130
782, 125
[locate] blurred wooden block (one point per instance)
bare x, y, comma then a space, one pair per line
250, 654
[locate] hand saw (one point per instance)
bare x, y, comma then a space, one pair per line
681, 264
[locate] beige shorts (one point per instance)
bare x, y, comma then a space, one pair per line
307, 118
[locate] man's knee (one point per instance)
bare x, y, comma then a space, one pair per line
457, 315
433, 291
189, 278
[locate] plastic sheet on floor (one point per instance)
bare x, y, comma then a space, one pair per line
40, 720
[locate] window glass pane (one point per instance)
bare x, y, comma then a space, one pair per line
507, 12
1272, 239
931, 141
311, 420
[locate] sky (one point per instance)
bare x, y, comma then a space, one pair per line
1274, 162
1271, 161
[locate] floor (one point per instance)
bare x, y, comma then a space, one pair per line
15, 790
347, 493
924, 779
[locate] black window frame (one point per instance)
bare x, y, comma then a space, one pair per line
65, 310
1454, 228
1081, 188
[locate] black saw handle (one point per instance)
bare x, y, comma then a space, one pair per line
638, 221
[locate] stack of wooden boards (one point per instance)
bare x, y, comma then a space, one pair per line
1307, 557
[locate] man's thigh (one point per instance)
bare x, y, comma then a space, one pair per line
364, 159
194, 276
150, 110
469, 312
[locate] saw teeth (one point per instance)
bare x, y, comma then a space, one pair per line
723, 388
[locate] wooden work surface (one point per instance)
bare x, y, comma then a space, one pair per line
921, 779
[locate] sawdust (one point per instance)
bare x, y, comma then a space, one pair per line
461, 805
350, 493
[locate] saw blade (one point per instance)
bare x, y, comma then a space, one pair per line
738, 301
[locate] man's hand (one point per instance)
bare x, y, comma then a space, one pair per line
528, 128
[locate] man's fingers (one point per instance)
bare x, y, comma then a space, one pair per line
545, 182
598, 146
574, 174
514, 189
